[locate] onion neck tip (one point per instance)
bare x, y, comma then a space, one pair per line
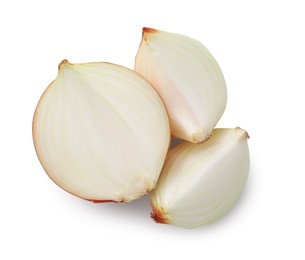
200, 136
63, 63
146, 31
158, 216
241, 132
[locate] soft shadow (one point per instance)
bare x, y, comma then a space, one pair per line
174, 142
139, 207
138, 211
134, 213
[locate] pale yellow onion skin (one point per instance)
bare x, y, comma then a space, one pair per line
101, 132
188, 79
201, 182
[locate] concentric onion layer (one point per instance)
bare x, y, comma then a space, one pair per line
188, 79
201, 182
101, 132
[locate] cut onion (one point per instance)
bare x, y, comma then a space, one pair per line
201, 182
101, 132
188, 79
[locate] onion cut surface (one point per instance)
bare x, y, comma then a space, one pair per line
188, 79
101, 132
201, 182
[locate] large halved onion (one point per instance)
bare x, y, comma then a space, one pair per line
101, 132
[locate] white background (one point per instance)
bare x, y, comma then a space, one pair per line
260, 48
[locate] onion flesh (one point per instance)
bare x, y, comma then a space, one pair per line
101, 132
